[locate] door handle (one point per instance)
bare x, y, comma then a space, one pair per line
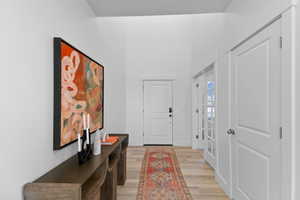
231, 131
170, 115
170, 110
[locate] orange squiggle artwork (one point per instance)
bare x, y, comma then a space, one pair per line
81, 93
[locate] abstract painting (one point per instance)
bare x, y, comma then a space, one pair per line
78, 91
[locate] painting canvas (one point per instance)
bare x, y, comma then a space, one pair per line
78, 91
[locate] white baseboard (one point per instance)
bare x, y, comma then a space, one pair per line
222, 184
198, 148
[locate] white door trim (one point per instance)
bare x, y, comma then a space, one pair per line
288, 32
144, 78
226, 185
201, 73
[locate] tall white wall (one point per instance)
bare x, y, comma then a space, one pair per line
111, 45
158, 46
206, 34
26, 82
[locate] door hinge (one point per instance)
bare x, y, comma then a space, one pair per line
280, 133
281, 42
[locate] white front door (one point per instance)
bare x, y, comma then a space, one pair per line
158, 113
256, 94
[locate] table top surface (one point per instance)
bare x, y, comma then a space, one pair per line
71, 172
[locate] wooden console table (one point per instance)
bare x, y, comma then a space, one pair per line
71, 181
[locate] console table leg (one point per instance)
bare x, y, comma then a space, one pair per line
122, 168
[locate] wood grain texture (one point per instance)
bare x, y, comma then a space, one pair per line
109, 188
198, 175
52, 191
122, 168
71, 172
91, 190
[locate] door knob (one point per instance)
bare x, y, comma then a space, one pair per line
231, 131
170, 115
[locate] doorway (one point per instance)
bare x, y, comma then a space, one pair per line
204, 114
158, 112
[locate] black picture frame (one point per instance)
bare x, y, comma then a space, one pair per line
57, 92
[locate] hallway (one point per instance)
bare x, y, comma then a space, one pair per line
197, 174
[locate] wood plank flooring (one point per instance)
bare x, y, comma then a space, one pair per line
198, 175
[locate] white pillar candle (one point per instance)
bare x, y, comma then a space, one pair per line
88, 121
87, 136
79, 142
84, 121
88, 129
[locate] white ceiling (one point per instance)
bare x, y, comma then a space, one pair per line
156, 7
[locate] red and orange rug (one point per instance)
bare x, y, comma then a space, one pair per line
161, 177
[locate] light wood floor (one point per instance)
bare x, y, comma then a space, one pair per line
198, 175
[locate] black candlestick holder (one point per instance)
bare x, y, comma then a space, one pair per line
86, 149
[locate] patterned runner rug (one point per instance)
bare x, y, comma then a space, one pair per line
161, 177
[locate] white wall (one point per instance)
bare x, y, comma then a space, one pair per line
26, 82
206, 34
158, 46
111, 45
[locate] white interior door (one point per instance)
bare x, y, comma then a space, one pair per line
158, 112
256, 109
